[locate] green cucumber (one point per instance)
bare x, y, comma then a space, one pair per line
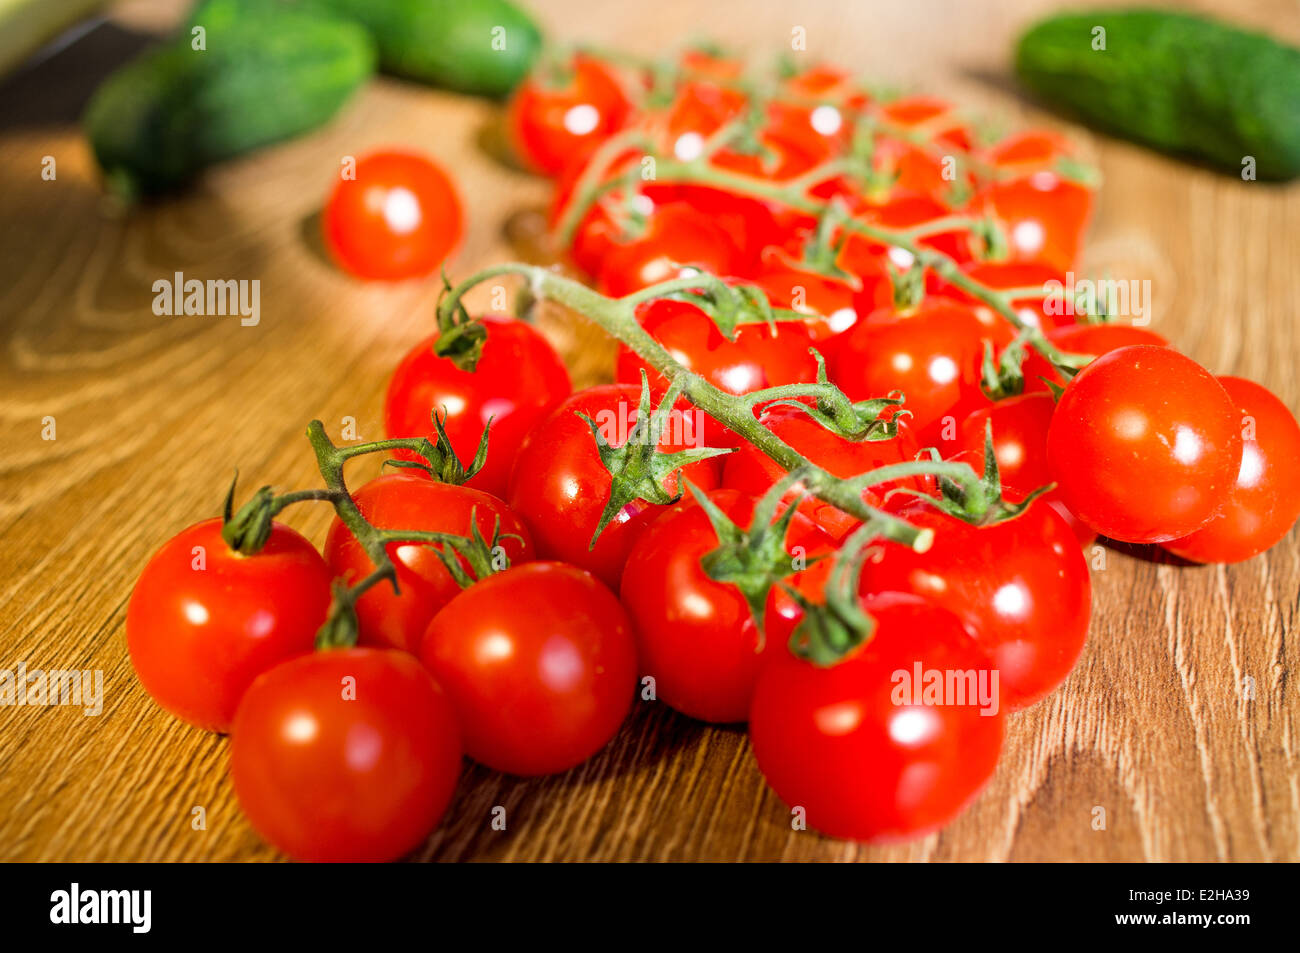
267, 72
1177, 82
484, 47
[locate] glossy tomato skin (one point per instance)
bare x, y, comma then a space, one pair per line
757, 358
1145, 445
933, 355
560, 487
1020, 444
1037, 311
1094, 339
696, 637
677, 235
1264, 501
540, 664
403, 501
204, 621
518, 380
400, 217
345, 755
828, 301
866, 759
1020, 586
1044, 217
752, 471
557, 125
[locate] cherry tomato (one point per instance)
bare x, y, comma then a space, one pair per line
400, 217
540, 665
204, 621
861, 748
1020, 445
560, 487
1145, 445
1094, 339
753, 472
518, 380
675, 236
404, 501
760, 356
1264, 501
940, 118
1028, 151
933, 355
1044, 217
696, 637
345, 755
1036, 310
1021, 587
828, 301
904, 211
555, 122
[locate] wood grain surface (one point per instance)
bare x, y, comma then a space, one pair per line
153, 413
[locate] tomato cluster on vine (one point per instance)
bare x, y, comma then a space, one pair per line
837, 487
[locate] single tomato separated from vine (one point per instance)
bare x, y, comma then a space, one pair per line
1145, 445
204, 621
695, 636
1264, 502
865, 757
518, 380
399, 217
346, 755
540, 665
560, 486
397, 501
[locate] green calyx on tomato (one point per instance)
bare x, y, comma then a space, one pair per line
831, 629
852, 420
247, 531
460, 337
441, 462
638, 470
753, 559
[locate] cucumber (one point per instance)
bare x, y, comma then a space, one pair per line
449, 43
1174, 81
268, 72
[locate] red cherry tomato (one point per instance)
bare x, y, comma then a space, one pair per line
1094, 339
1264, 501
403, 501
518, 380
560, 487
204, 621
1038, 311
400, 217
933, 355
1020, 445
1028, 151
758, 357
752, 471
696, 637
828, 301
345, 755
559, 122
1044, 217
1021, 587
940, 118
857, 745
540, 665
1145, 445
676, 236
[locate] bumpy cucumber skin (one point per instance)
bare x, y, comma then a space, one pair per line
448, 43
265, 75
1177, 82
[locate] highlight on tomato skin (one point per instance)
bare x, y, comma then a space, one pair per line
204, 621
346, 755
398, 215
1145, 445
1264, 501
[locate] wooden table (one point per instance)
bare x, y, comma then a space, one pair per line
152, 415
